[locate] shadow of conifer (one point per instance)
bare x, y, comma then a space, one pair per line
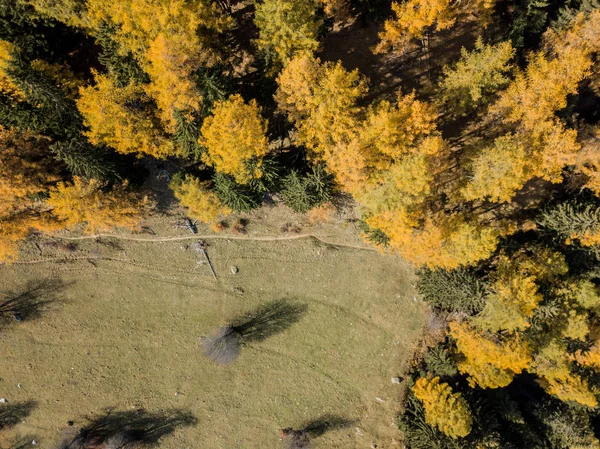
302, 438
224, 344
13, 414
126, 429
29, 302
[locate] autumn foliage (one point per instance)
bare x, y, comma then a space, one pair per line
444, 409
84, 202
202, 203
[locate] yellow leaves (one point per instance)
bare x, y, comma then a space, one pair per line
511, 304
476, 76
439, 241
26, 171
570, 388
70, 12
201, 202
394, 130
23, 169
140, 21
576, 326
339, 10
590, 357
235, 137
533, 97
514, 289
11, 232
551, 364
62, 75
286, 28
7, 85
541, 146
85, 203
6, 55
412, 19
171, 61
170, 40
582, 33
321, 100
118, 117
490, 361
586, 295
589, 160
499, 171
447, 411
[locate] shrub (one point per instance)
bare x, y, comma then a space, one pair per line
222, 346
439, 362
303, 193
240, 198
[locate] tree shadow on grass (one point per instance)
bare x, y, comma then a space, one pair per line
21, 442
223, 346
302, 438
29, 302
13, 414
127, 429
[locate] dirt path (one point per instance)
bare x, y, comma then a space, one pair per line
219, 237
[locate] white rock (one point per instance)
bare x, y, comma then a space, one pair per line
3, 400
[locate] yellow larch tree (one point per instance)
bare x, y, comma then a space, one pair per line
7, 85
588, 162
552, 365
113, 119
286, 28
389, 157
84, 202
413, 18
536, 94
540, 146
515, 292
235, 138
490, 361
202, 203
26, 172
444, 409
170, 40
62, 75
476, 76
321, 100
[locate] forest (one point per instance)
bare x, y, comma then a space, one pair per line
464, 133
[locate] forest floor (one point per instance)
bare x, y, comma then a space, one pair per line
124, 319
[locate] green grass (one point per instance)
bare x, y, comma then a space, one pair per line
126, 334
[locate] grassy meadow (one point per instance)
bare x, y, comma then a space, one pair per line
122, 322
